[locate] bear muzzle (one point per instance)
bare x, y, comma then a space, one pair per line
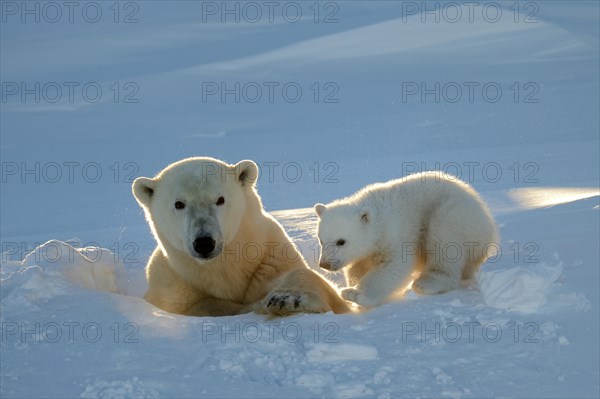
331, 266
204, 247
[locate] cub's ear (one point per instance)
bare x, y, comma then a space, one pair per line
246, 173
319, 209
143, 190
365, 215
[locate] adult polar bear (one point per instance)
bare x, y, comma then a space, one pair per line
219, 253
430, 224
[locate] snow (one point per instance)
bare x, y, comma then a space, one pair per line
340, 352
74, 241
522, 288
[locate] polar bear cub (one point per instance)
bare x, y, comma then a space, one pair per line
430, 226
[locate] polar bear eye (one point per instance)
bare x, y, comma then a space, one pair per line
220, 201
340, 242
179, 205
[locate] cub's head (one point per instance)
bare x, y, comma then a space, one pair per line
345, 235
197, 204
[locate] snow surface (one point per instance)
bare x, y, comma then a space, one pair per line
74, 245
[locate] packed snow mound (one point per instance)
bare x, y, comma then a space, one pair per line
56, 268
521, 288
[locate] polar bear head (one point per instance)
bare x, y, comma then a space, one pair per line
196, 205
345, 233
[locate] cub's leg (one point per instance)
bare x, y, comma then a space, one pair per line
445, 250
302, 291
437, 278
381, 282
446, 272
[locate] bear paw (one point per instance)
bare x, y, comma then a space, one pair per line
288, 302
358, 297
429, 285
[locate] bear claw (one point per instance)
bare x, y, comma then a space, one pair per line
283, 303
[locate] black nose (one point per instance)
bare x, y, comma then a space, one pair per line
204, 246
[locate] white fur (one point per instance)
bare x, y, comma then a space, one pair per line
429, 225
251, 266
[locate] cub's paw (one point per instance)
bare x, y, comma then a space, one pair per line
430, 285
354, 295
350, 294
283, 303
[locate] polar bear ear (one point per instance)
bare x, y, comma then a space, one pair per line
143, 190
319, 209
365, 215
246, 173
